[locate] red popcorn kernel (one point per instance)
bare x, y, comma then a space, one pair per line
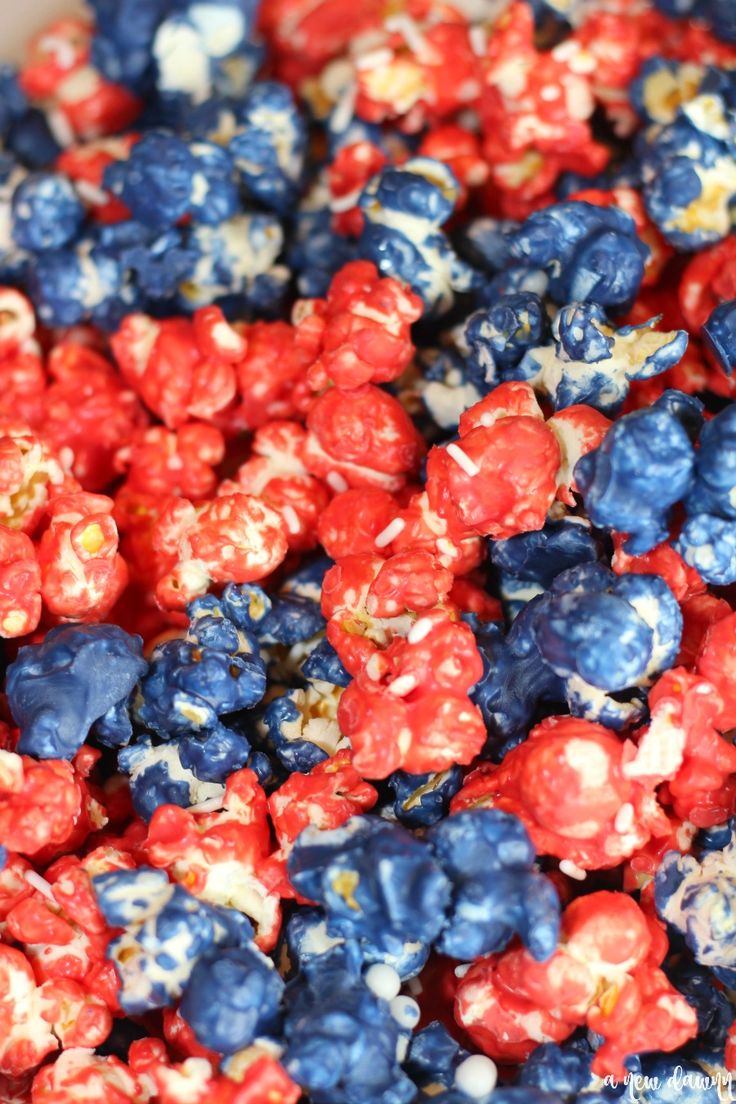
89, 410
22, 386
276, 474
236, 538
361, 438
271, 379
82, 573
709, 279
573, 785
578, 430
329, 795
26, 1035
604, 975
363, 328
355, 520
501, 477
349, 172
698, 614
58, 50
78, 1075
71, 885
46, 806
682, 746
461, 150
163, 363
305, 35
181, 462
29, 475
17, 321
425, 529
20, 584
93, 106
85, 165
223, 857
716, 662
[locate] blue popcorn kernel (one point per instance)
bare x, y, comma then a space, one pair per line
528, 563
124, 32
661, 86
32, 141
719, 335
592, 362
159, 263
425, 192
485, 243
301, 725
714, 1010
292, 619
315, 953
157, 776
423, 799
681, 1079
212, 756
13, 101
715, 467
697, 897
375, 881
590, 253
156, 181
708, 544
46, 212
80, 284
451, 384
56, 692
344, 1044
718, 13
496, 893
631, 481
270, 146
237, 264
231, 998
314, 251
500, 334
559, 1069
324, 664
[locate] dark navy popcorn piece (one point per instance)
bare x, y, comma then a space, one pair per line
13, 101
719, 335
212, 756
232, 998
444, 1071
496, 893
423, 799
343, 1044
58, 689
419, 253
644, 466
160, 263
324, 664
80, 284
124, 32
314, 251
592, 362
558, 1069
157, 180
715, 468
661, 85
698, 898
719, 14
166, 932
500, 334
157, 776
485, 243
591, 254
301, 725
715, 1012
312, 951
270, 145
528, 563
292, 619
375, 881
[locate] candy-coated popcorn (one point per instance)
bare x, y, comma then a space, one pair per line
20, 585
77, 1071
32, 475
605, 975
47, 807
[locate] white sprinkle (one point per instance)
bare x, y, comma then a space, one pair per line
391, 531
336, 482
419, 630
60, 48
343, 111
476, 1076
461, 971
60, 128
402, 685
383, 980
462, 459
572, 870
405, 26
405, 1011
478, 40
376, 59
338, 204
40, 884
209, 805
291, 518
91, 193
624, 818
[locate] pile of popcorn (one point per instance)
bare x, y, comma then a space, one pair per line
368, 553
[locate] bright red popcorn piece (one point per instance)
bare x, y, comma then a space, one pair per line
501, 477
26, 1036
573, 786
20, 584
362, 328
82, 573
361, 438
604, 975
79, 1075
683, 580
461, 150
716, 662
578, 430
271, 378
165, 366
352, 522
46, 806
423, 528
181, 462
709, 279
58, 50
347, 174
85, 165
235, 538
